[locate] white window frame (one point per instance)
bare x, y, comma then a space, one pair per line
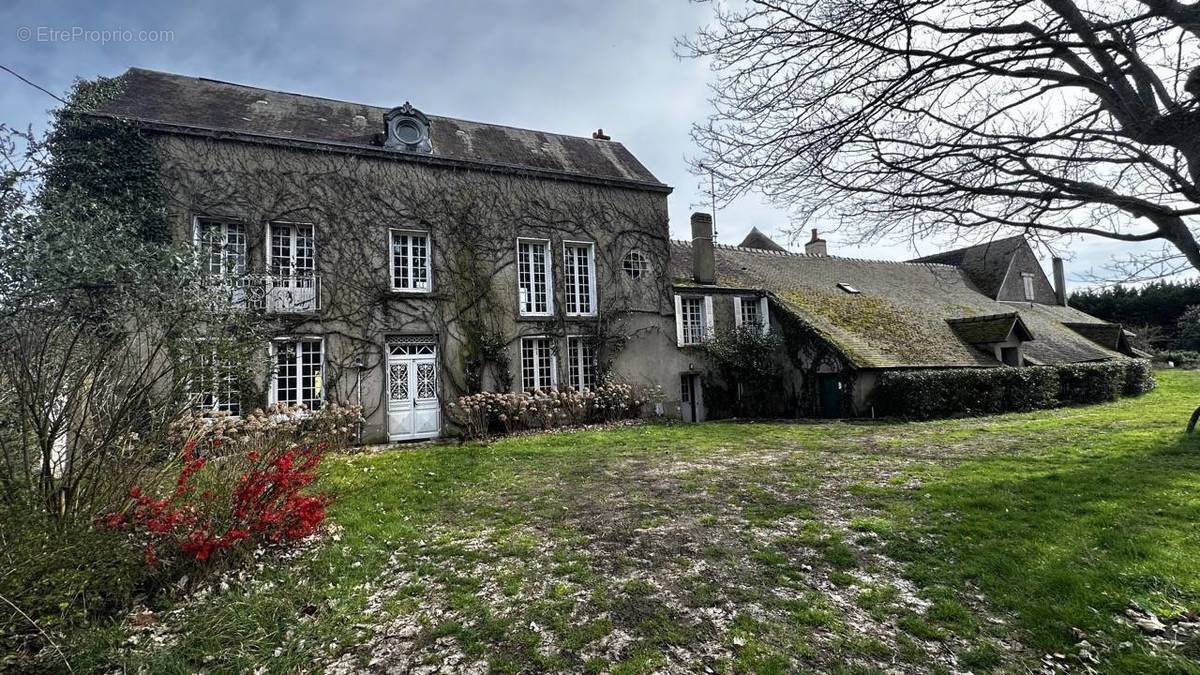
538, 365
1027, 285
273, 390
635, 264
764, 317
428, 267
292, 274
572, 277
222, 379
523, 301
204, 254
706, 319
578, 367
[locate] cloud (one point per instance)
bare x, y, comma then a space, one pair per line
565, 66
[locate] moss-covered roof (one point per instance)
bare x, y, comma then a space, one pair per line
900, 316
978, 330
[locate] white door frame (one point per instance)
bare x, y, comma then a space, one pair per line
414, 401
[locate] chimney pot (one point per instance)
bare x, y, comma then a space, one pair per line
1060, 281
704, 265
817, 245
600, 135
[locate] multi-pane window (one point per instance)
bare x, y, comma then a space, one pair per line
748, 312
299, 373
533, 277
692, 320
581, 363
214, 384
636, 264
293, 254
751, 312
410, 261
538, 364
580, 269
221, 246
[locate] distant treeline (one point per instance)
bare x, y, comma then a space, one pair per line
1151, 310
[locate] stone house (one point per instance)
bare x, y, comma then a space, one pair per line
403, 259
844, 320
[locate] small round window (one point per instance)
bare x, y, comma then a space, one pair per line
408, 132
636, 264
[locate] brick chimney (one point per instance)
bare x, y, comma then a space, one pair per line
816, 245
1060, 281
704, 267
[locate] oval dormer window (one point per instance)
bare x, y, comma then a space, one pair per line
408, 132
407, 129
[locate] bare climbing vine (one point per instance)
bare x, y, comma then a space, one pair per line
474, 218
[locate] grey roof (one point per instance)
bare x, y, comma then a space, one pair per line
977, 330
756, 239
181, 103
986, 263
900, 317
1108, 335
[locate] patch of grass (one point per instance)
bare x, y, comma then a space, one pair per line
879, 600
873, 524
1053, 520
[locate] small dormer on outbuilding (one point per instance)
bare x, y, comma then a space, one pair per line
1000, 335
406, 128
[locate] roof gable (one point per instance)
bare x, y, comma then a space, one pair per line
756, 239
987, 264
977, 330
178, 102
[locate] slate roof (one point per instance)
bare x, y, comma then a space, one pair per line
900, 318
191, 104
756, 239
978, 330
1104, 334
985, 263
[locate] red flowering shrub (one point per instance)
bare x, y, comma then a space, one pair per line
230, 502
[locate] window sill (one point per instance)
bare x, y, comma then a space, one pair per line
412, 291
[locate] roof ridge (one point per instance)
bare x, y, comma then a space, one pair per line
984, 317
799, 254
990, 242
369, 105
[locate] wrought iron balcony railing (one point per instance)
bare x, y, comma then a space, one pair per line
278, 294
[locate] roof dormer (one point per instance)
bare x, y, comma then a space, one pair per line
406, 128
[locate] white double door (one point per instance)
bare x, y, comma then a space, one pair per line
413, 407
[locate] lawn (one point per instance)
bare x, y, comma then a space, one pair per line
1011, 543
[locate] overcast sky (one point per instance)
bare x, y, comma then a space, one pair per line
567, 66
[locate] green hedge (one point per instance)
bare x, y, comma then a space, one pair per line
1179, 357
957, 392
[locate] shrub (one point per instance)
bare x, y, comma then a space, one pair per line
1188, 326
1090, 382
278, 424
487, 412
744, 378
59, 577
1181, 358
1139, 378
928, 394
229, 504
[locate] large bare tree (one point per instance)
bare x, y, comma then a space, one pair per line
903, 118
